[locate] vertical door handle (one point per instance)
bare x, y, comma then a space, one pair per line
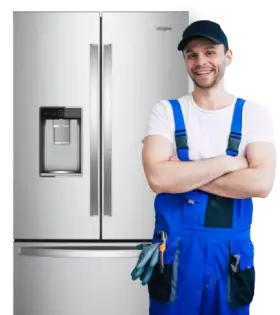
107, 130
94, 130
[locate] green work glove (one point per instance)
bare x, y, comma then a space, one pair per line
147, 260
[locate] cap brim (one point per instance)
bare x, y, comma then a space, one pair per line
185, 40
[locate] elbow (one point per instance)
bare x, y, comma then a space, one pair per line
263, 183
263, 190
157, 184
263, 194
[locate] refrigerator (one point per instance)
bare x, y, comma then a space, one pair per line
84, 86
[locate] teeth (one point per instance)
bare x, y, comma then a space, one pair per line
203, 72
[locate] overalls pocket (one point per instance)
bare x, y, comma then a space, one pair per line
162, 286
241, 275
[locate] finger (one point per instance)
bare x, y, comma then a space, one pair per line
155, 258
147, 275
144, 272
136, 273
140, 258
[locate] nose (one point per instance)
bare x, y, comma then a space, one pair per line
201, 60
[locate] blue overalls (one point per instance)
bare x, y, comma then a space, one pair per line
209, 256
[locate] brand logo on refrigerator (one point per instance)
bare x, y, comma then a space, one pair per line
163, 28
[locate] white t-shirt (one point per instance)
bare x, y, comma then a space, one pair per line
208, 130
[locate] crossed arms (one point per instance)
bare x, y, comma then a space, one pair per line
227, 176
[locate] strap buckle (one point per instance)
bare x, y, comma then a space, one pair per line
181, 139
234, 141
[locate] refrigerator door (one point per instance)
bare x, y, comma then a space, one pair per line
56, 125
65, 279
141, 66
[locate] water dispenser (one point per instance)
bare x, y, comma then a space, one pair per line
60, 141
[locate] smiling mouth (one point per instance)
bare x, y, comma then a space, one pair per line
203, 73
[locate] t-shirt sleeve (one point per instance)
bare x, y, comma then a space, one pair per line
260, 124
158, 122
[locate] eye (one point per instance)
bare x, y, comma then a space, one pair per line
210, 52
191, 56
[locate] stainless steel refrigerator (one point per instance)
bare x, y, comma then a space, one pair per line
84, 85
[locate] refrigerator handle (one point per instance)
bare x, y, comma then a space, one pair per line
107, 131
94, 130
62, 252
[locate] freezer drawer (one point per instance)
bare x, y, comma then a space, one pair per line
76, 279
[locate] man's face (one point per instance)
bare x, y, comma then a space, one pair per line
206, 62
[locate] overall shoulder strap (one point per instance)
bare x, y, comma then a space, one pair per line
181, 137
236, 128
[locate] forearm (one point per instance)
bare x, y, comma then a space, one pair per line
240, 184
178, 176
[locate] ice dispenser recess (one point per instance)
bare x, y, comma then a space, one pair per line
60, 141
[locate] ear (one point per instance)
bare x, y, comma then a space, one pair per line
228, 57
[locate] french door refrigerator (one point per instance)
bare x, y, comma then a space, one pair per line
84, 85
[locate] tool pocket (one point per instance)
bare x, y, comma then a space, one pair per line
162, 286
241, 275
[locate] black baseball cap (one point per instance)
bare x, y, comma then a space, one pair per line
206, 29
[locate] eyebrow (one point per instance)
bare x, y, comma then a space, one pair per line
207, 47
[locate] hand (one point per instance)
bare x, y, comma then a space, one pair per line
240, 162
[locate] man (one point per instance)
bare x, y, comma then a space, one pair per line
206, 155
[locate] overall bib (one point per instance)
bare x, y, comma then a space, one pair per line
209, 255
